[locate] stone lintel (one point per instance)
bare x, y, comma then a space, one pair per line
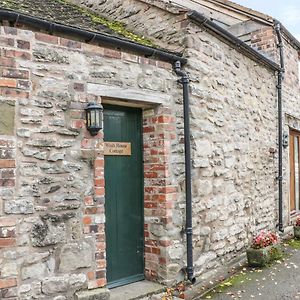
137, 95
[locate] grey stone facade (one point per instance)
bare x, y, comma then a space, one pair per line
52, 216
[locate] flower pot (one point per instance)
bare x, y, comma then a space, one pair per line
261, 257
297, 232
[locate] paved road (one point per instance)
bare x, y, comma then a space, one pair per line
281, 281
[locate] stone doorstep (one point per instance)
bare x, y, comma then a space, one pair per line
95, 294
146, 290
136, 290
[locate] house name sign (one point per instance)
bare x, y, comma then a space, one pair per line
117, 148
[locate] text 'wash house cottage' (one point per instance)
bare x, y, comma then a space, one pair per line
83, 210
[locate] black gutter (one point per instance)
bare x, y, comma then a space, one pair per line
89, 36
236, 43
280, 135
291, 38
184, 80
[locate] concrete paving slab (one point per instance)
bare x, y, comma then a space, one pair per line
136, 290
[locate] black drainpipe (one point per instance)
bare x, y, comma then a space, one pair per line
280, 134
184, 80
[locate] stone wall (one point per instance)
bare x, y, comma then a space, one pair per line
52, 237
291, 100
265, 41
234, 132
53, 213
233, 122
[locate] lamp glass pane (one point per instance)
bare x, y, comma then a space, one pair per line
98, 118
93, 117
88, 118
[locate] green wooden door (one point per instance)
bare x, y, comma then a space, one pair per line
124, 198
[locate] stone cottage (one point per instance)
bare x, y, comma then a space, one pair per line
80, 212
260, 31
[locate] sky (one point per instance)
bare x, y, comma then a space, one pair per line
286, 11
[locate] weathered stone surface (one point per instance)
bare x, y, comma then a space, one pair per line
57, 122
74, 256
67, 132
20, 206
56, 218
35, 153
22, 132
176, 252
28, 112
53, 285
96, 294
41, 143
9, 269
35, 271
47, 234
66, 206
50, 55
59, 298
55, 156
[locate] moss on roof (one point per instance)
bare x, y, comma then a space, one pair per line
63, 12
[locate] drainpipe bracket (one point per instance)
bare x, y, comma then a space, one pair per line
189, 230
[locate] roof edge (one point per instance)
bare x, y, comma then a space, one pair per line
166, 6
235, 42
244, 10
90, 36
288, 34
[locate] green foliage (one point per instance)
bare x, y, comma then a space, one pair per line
276, 253
115, 26
234, 280
295, 244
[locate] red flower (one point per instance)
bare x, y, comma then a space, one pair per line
297, 221
265, 239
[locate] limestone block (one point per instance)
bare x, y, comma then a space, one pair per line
211, 216
47, 233
201, 163
75, 255
220, 234
9, 269
53, 285
28, 112
55, 156
50, 55
203, 147
158, 230
204, 187
176, 251
22, 132
60, 298
205, 258
24, 288
34, 271
19, 206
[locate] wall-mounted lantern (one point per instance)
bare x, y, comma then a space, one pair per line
94, 118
